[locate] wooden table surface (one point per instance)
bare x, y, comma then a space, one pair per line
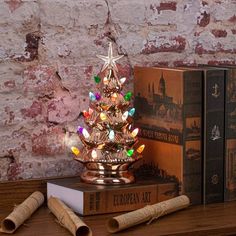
213, 219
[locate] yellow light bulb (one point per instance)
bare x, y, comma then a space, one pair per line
75, 150
114, 97
134, 132
103, 116
140, 148
100, 146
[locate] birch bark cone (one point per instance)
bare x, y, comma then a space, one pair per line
148, 213
22, 212
67, 218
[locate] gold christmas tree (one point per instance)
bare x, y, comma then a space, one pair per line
110, 142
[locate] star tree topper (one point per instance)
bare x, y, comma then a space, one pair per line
110, 60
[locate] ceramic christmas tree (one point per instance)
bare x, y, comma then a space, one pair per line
110, 140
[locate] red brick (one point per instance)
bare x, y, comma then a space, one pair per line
222, 63
199, 49
184, 63
10, 84
49, 142
177, 45
204, 19
161, 63
11, 115
31, 48
41, 80
219, 33
232, 19
13, 4
171, 6
14, 170
34, 110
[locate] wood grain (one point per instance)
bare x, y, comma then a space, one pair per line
214, 219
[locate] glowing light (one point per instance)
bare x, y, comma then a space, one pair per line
85, 133
125, 116
105, 80
134, 132
86, 114
128, 96
90, 111
92, 97
140, 148
114, 97
75, 150
94, 154
131, 111
97, 96
130, 152
111, 135
100, 146
97, 79
122, 80
103, 116
80, 129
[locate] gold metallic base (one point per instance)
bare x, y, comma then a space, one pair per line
107, 174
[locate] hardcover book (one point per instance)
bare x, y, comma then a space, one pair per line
168, 106
230, 135
88, 199
214, 125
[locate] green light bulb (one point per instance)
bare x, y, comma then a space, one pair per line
97, 79
130, 152
128, 96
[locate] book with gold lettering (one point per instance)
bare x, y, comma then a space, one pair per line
88, 199
168, 103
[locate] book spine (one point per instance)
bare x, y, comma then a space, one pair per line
230, 135
119, 200
192, 151
213, 166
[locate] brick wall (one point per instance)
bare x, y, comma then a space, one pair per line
47, 59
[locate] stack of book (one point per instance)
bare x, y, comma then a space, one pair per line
187, 118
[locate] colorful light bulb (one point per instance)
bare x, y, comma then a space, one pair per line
114, 97
140, 148
80, 129
94, 154
105, 80
128, 96
134, 132
75, 150
130, 152
100, 146
103, 116
90, 111
97, 96
131, 111
125, 116
111, 135
92, 97
97, 79
86, 114
85, 133
122, 80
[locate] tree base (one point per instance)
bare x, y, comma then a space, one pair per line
107, 174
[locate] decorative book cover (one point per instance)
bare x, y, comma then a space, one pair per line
89, 199
213, 123
168, 106
230, 135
